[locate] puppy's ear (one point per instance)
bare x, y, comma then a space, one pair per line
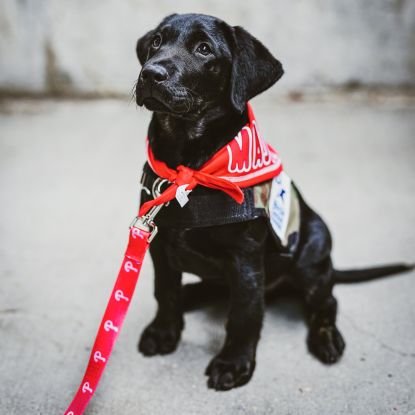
254, 69
143, 46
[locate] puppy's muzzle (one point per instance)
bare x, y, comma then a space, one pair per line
151, 86
155, 74
158, 89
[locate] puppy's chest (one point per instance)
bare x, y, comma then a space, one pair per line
196, 251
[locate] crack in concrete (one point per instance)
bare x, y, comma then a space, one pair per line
376, 339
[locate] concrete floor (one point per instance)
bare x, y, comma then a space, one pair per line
69, 181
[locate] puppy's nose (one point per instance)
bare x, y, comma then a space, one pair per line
155, 73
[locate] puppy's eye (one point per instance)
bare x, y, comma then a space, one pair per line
156, 42
204, 49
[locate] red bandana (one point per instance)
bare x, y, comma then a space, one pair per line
246, 161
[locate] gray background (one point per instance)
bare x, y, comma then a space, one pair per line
342, 118
51, 46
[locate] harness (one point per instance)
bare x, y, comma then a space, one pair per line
275, 200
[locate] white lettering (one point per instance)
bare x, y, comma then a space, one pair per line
119, 295
86, 388
250, 153
129, 266
135, 232
98, 357
109, 325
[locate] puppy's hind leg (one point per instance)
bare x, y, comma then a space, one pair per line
314, 277
324, 340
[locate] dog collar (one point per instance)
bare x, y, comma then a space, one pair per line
245, 161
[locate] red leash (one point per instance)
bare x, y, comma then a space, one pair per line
142, 231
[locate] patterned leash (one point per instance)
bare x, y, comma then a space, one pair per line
142, 232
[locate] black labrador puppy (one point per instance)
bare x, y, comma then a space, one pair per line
197, 75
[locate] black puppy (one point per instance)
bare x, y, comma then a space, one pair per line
197, 75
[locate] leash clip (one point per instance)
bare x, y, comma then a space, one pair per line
146, 222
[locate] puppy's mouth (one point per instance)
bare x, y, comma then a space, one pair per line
169, 100
153, 104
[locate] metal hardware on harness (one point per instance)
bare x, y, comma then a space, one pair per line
146, 222
156, 188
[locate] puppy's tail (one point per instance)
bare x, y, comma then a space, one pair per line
368, 274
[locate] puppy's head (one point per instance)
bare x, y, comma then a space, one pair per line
191, 62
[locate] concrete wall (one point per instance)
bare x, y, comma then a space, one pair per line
87, 46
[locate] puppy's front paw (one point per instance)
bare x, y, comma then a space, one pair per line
326, 343
230, 372
160, 338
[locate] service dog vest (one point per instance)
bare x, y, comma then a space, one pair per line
244, 180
